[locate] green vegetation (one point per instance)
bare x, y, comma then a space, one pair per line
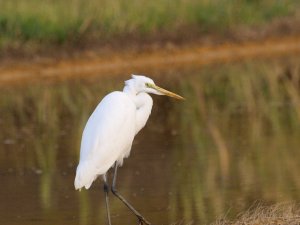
56, 22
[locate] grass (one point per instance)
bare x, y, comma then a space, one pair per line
58, 22
280, 214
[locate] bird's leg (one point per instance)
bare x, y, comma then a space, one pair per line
115, 192
106, 190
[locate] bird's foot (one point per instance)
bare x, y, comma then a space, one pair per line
142, 221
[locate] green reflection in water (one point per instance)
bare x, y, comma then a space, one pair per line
233, 141
41, 132
238, 141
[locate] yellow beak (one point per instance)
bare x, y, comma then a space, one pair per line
166, 92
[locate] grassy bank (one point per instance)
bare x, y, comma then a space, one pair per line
59, 22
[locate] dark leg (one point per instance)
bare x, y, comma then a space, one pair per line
115, 192
106, 190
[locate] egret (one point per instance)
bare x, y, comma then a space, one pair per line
109, 132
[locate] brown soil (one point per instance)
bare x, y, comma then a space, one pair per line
90, 63
161, 51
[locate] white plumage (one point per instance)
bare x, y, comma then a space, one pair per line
110, 130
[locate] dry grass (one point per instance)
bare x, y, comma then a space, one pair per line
279, 214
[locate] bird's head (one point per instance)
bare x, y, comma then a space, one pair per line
145, 84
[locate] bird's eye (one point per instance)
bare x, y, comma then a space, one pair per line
148, 85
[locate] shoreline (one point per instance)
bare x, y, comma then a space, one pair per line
89, 63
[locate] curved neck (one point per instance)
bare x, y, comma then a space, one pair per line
143, 103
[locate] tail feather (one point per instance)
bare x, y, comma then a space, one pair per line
84, 176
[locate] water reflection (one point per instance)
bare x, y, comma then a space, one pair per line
233, 142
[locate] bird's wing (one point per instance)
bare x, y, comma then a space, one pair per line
108, 133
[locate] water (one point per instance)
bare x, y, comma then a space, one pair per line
232, 143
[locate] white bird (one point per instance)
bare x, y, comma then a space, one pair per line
108, 135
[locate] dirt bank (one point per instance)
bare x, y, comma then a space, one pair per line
90, 63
